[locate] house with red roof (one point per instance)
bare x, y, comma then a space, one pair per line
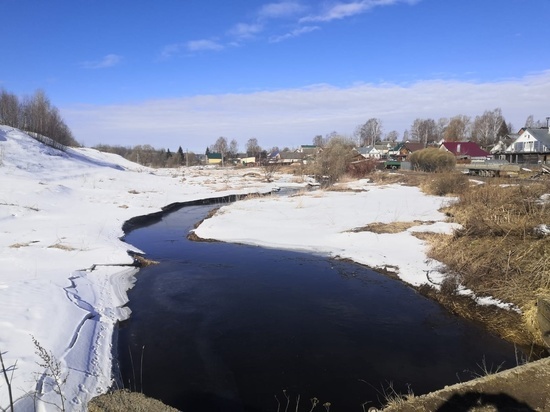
466, 152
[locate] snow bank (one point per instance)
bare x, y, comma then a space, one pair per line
324, 222
61, 213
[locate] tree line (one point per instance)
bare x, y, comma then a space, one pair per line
147, 155
36, 115
485, 129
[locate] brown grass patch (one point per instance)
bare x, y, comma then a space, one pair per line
144, 262
403, 177
443, 184
392, 227
497, 252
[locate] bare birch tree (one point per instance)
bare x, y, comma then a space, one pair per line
487, 126
424, 131
370, 132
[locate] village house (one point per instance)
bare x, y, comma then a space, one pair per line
369, 152
499, 149
466, 152
213, 158
245, 160
285, 157
531, 146
403, 150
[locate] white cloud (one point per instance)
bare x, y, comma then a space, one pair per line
342, 10
293, 33
171, 50
109, 60
199, 45
294, 116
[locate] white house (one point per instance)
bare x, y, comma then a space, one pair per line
531, 146
369, 152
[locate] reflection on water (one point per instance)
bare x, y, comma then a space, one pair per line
229, 327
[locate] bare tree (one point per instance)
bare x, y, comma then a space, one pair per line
442, 124
392, 136
253, 148
530, 122
486, 127
220, 146
269, 169
38, 116
370, 132
320, 141
424, 131
458, 129
9, 109
233, 147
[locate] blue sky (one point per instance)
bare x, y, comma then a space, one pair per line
185, 72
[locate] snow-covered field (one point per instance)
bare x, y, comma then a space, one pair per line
62, 213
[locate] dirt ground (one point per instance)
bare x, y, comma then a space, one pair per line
523, 388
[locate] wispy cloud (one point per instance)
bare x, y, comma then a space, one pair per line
294, 33
280, 10
200, 45
264, 20
294, 116
342, 10
107, 61
171, 50
245, 31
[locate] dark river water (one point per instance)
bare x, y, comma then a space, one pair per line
224, 327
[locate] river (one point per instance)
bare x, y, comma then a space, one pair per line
225, 327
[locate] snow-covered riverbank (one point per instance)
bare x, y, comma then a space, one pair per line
60, 214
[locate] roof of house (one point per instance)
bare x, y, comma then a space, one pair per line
364, 150
410, 146
291, 155
470, 149
214, 155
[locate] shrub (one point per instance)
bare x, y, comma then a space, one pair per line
446, 183
432, 160
362, 168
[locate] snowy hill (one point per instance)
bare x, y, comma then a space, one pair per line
60, 214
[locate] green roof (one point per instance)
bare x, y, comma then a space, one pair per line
214, 155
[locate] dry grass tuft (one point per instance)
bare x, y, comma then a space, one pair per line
62, 246
126, 401
20, 245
